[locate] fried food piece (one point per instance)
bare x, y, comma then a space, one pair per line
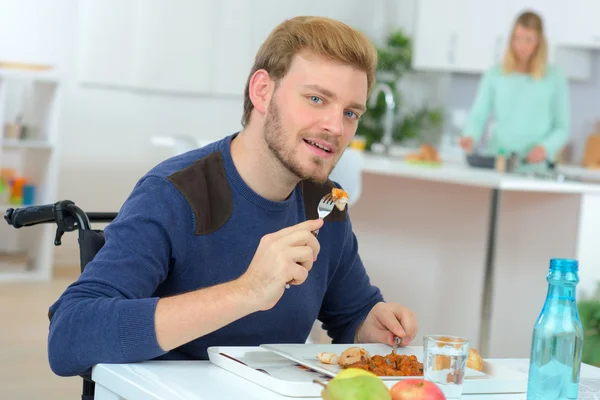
426, 153
391, 365
340, 198
413, 157
406, 365
353, 355
430, 153
327, 358
475, 361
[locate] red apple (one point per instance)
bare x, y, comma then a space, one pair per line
416, 389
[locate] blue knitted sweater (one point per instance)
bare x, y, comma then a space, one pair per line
190, 223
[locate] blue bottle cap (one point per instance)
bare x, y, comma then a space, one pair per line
564, 265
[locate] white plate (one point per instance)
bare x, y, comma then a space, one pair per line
306, 355
283, 376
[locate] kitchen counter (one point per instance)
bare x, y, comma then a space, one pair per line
461, 173
468, 249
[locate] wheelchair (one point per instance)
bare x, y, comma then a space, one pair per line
68, 217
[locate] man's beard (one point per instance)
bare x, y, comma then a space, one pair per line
275, 138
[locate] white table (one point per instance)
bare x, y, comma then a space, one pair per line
200, 380
474, 237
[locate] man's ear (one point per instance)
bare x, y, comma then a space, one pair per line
261, 90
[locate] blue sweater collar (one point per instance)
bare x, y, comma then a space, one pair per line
243, 189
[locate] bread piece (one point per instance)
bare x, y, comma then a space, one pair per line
591, 157
413, 157
430, 153
426, 153
475, 361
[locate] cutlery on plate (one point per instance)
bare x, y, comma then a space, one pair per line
397, 342
243, 363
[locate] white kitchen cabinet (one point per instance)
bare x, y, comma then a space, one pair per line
435, 34
478, 35
575, 64
234, 55
368, 17
581, 24
203, 47
106, 46
456, 35
174, 45
470, 36
159, 45
548, 10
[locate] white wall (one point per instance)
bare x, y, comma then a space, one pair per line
35, 31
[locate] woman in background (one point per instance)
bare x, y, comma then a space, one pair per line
528, 98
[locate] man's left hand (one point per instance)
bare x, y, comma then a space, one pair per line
385, 321
537, 155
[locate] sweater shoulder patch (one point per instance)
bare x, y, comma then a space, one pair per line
312, 193
206, 189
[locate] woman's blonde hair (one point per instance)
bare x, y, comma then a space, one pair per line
324, 37
532, 21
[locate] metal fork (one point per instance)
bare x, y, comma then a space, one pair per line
324, 208
397, 342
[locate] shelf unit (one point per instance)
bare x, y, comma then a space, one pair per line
27, 254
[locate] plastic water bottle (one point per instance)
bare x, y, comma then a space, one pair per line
557, 341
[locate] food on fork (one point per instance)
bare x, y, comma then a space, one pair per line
327, 358
340, 198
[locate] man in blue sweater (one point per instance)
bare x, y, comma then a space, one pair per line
202, 249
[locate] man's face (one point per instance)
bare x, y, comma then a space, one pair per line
313, 115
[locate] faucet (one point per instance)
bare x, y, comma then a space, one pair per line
390, 105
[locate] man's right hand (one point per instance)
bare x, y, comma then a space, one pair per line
283, 256
466, 143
